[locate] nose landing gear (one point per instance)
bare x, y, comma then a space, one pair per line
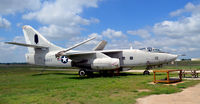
146, 72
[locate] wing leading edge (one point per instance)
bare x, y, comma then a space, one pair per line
70, 48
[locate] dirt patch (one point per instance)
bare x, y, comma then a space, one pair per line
168, 84
144, 90
190, 78
187, 96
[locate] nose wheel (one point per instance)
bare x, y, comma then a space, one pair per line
146, 72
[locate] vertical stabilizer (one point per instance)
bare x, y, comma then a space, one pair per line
35, 38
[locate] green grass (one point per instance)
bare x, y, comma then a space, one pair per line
21, 85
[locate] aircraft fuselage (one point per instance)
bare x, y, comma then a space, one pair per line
127, 58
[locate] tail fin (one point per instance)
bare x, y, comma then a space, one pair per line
35, 38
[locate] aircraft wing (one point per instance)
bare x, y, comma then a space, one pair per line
26, 45
100, 46
90, 52
79, 56
70, 48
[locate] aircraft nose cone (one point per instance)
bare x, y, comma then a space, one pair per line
172, 57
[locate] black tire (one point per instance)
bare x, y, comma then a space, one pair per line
103, 73
82, 73
90, 73
146, 72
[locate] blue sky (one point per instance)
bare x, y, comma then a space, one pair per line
171, 25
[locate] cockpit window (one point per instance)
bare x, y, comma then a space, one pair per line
142, 48
156, 50
149, 49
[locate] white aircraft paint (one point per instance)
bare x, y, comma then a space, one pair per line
42, 52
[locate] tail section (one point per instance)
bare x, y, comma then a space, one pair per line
38, 46
33, 37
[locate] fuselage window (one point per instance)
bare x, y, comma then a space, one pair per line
131, 58
123, 58
156, 58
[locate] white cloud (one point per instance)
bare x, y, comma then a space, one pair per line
140, 32
189, 7
4, 23
19, 39
110, 33
185, 27
12, 6
118, 44
99, 37
178, 36
19, 24
12, 53
59, 32
62, 17
1, 39
184, 44
89, 45
96, 40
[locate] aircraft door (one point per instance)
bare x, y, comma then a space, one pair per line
39, 59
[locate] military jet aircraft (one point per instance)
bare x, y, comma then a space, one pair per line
42, 52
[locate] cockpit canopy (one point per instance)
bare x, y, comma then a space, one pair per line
150, 49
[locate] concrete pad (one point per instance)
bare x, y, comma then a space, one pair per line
139, 71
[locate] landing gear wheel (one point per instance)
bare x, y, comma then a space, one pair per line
82, 72
146, 72
103, 72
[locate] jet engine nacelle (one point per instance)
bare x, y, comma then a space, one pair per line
105, 63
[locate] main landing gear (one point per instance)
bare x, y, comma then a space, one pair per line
89, 73
83, 73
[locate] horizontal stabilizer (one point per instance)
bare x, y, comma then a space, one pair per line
100, 46
26, 45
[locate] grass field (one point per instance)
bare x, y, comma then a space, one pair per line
21, 85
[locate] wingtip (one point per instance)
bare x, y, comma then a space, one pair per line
25, 26
6, 42
94, 37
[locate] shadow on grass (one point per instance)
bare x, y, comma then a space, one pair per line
95, 75
107, 76
40, 74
